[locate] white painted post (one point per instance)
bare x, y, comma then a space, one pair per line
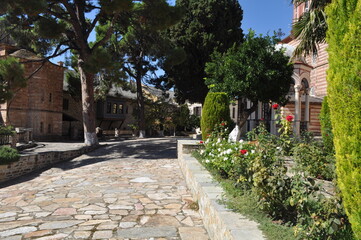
297, 110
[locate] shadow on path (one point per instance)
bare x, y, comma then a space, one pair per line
139, 149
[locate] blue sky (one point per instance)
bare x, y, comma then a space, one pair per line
266, 16
263, 16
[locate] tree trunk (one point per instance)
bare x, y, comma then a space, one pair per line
243, 114
140, 103
87, 91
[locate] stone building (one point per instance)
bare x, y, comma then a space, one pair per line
39, 105
310, 84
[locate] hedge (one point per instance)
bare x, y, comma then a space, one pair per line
8, 155
344, 96
215, 110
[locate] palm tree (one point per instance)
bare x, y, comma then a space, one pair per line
311, 27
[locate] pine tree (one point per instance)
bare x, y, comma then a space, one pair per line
64, 25
139, 47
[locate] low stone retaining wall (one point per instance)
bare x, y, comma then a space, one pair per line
220, 222
35, 161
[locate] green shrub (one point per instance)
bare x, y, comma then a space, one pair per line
7, 130
215, 110
272, 185
326, 127
8, 155
229, 159
311, 158
318, 217
344, 97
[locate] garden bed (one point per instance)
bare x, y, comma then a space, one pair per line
256, 170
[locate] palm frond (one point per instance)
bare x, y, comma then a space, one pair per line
310, 28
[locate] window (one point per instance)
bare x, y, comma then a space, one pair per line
41, 127
50, 97
233, 112
197, 111
65, 104
114, 111
120, 109
109, 107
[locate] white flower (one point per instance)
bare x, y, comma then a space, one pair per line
253, 151
218, 140
225, 158
207, 161
202, 152
241, 141
229, 151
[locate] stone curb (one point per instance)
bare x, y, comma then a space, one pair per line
220, 222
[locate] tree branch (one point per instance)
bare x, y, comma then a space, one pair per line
108, 33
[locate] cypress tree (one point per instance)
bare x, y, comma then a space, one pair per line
344, 88
215, 110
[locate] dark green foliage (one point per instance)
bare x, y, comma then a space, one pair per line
315, 160
215, 110
66, 25
8, 155
138, 46
326, 126
207, 25
344, 79
254, 70
182, 116
7, 130
11, 78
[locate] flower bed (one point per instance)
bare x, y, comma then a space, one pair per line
257, 168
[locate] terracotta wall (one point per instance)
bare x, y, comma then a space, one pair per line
39, 105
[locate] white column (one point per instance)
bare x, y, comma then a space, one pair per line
273, 122
296, 128
307, 109
259, 110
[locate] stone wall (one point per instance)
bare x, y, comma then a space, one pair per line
32, 162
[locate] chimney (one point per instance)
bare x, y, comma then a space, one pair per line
60, 63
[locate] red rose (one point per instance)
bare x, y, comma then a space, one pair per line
223, 124
201, 142
275, 106
243, 151
289, 118
262, 119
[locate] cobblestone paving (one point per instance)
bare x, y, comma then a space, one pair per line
126, 190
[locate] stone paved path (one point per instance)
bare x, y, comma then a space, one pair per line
126, 190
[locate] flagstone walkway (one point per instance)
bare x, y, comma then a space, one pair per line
130, 189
